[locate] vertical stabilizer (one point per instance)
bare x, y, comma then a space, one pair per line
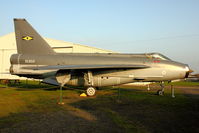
28, 40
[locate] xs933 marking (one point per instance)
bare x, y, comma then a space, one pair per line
30, 61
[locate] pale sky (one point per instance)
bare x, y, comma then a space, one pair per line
170, 27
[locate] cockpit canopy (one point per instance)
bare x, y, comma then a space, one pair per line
157, 56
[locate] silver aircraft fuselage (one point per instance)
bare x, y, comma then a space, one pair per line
158, 69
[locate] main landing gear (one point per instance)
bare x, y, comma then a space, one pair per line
90, 91
161, 91
88, 76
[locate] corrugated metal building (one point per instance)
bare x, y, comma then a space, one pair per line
8, 47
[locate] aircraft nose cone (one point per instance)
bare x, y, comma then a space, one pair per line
188, 71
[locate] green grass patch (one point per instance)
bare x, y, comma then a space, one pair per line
132, 109
142, 111
183, 83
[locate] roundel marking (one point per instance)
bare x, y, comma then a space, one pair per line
164, 72
27, 38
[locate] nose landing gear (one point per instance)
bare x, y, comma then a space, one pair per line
161, 91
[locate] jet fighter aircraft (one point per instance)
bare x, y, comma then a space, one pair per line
36, 59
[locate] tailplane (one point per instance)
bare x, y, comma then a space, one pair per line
28, 40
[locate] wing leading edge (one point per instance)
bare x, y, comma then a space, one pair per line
78, 67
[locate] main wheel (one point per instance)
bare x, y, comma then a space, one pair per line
90, 91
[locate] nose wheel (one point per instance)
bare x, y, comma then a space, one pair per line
90, 91
161, 91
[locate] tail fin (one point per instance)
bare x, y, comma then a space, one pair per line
28, 40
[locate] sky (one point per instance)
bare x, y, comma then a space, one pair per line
170, 27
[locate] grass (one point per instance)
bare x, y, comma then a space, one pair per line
34, 107
13, 100
184, 83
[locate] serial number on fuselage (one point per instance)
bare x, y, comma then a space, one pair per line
30, 61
